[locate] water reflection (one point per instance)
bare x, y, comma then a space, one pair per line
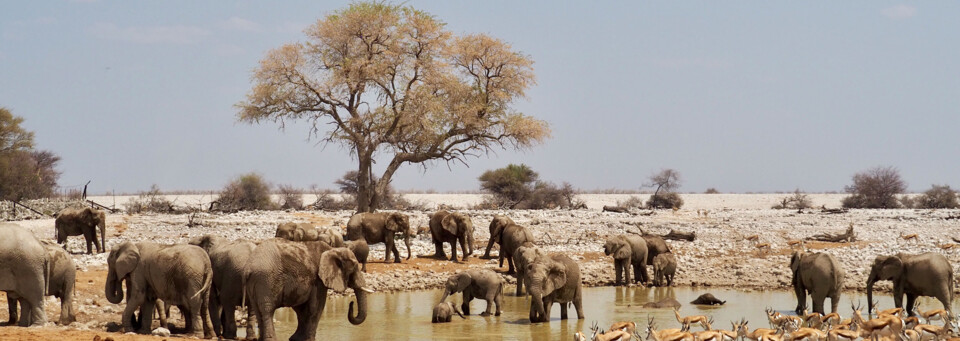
406, 316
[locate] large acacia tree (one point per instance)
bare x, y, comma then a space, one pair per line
391, 84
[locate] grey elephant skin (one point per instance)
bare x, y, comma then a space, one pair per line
818, 274
655, 246
331, 236
525, 254
446, 227
497, 224
61, 280
512, 237
476, 283
443, 312
74, 222
298, 232
664, 269
360, 250
925, 274
226, 294
629, 252
707, 299
23, 272
180, 275
381, 227
282, 273
554, 279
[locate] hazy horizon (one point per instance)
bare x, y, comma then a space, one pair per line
737, 96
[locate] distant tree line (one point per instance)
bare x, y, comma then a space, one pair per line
25, 172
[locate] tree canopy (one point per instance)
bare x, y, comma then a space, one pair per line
390, 83
25, 173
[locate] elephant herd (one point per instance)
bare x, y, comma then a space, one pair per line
208, 278
820, 276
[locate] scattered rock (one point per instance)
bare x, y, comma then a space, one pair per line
161, 332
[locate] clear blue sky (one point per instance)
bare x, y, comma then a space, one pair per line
736, 95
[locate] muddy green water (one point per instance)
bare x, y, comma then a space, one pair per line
406, 315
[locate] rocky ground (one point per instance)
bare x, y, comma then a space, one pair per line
720, 255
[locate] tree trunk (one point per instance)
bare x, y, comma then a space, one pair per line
365, 190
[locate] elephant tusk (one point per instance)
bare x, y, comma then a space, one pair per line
367, 290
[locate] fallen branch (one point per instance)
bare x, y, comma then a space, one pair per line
674, 235
17, 203
615, 209
848, 236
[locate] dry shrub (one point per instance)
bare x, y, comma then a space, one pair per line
797, 201
547, 195
150, 201
711, 190
290, 197
631, 202
875, 188
247, 192
665, 200
389, 199
937, 197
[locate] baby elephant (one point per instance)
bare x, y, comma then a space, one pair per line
477, 283
443, 312
361, 250
664, 268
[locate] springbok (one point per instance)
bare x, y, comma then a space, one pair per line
688, 320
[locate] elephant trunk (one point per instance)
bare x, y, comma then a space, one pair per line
537, 310
445, 294
870, 281
114, 288
470, 243
406, 241
103, 236
361, 307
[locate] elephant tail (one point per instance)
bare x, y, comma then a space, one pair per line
207, 282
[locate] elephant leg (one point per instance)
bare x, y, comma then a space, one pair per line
463, 247
218, 314
911, 299
510, 268
618, 269
578, 304
453, 250
489, 310
640, 273
498, 300
563, 311
486, 253
944, 299
265, 311
89, 236
66, 309
465, 307
12, 308
818, 299
250, 323
146, 316
301, 311
393, 248
201, 313
229, 323
439, 254
519, 282
547, 305
835, 301
801, 296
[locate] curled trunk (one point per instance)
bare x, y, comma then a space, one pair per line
114, 288
361, 308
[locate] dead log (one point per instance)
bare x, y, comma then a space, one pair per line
674, 235
17, 203
849, 236
824, 209
615, 209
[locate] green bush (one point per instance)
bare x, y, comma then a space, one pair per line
246, 192
510, 185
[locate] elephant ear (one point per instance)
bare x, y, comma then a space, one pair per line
393, 222
795, 261
335, 267
556, 277
127, 261
621, 248
891, 268
463, 280
450, 224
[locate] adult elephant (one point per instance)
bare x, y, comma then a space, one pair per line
85, 221
298, 232
655, 246
628, 251
61, 278
227, 258
512, 237
926, 274
446, 227
360, 250
554, 279
281, 273
380, 227
23, 273
476, 283
496, 228
180, 275
525, 254
818, 274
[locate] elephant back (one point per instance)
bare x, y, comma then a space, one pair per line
655, 246
638, 249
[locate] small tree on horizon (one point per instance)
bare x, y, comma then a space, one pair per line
875, 188
666, 180
509, 185
393, 85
